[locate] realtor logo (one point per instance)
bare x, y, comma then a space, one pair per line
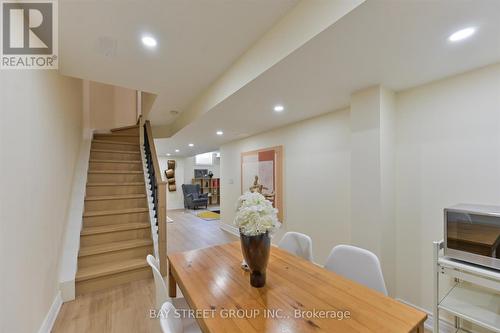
29, 34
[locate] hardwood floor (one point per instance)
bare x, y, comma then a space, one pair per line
125, 308
188, 232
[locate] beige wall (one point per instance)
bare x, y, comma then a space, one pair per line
440, 146
316, 178
448, 152
111, 106
41, 131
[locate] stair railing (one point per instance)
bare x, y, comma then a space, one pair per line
159, 194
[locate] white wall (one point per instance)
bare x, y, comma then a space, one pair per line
448, 151
41, 132
316, 178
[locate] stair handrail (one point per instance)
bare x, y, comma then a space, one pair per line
159, 194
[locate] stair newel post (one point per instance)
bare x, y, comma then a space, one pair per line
162, 227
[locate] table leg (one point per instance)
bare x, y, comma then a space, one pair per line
419, 328
172, 284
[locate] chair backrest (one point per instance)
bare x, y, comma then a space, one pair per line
169, 322
194, 189
357, 264
161, 294
298, 244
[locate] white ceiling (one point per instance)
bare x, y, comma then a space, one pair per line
399, 44
197, 41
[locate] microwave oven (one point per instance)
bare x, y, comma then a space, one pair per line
472, 234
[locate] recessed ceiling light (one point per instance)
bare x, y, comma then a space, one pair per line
177, 150
149, 41
279, 108
219, 133
191, 145
168, 154
462, 34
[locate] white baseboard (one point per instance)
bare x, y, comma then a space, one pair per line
51, 316
444, 326
229, 228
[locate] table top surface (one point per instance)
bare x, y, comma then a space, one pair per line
299, 296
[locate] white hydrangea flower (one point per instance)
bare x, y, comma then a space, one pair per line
255, 215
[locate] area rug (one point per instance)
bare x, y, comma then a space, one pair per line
208, 215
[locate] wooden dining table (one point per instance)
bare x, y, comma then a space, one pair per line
299, 296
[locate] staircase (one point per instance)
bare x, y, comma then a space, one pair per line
116, 233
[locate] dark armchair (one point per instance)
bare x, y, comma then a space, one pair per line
193, 197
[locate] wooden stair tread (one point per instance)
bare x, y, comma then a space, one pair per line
86, 231
116, 171
114, 151
113, 246
96, 271
110, 135
116, 184
115, 197
116, 142
124, 128
115, 212
114, 241
114, 161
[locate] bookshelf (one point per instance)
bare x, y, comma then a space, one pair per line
210, 186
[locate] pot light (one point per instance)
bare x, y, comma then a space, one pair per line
279, 108
462, 34
177, 150
219, 133
191, 145
168, 154
149, 41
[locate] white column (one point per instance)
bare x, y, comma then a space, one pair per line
372, 175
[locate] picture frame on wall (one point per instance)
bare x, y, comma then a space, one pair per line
200, 173
267, 165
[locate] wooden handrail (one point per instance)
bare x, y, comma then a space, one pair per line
159, 189
156, 164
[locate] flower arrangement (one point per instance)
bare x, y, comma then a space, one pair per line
255, 215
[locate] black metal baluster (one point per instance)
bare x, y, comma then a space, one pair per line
152, 176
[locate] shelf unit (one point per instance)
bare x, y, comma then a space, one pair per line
210, 186
474, 297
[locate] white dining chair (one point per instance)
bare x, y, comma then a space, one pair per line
298, 244
357, 264
172, 322
161, 293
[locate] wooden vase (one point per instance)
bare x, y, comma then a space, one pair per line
256, 253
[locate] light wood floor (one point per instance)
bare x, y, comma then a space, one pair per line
126, 308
